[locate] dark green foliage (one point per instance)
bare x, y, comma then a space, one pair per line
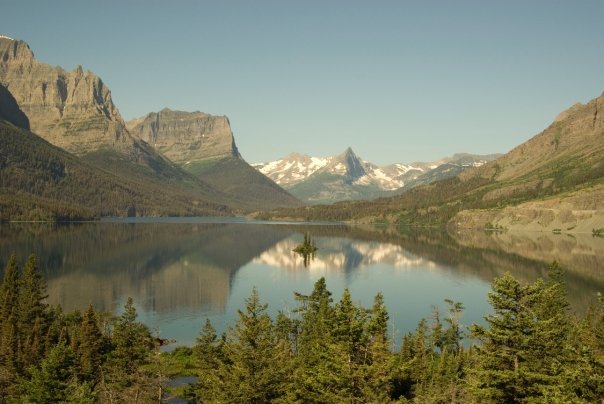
249, 365
531, 350
52, 380
209, 352
90, 347
131, 341
32, 321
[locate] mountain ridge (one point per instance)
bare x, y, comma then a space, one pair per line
347, 176
563, 164
74, 111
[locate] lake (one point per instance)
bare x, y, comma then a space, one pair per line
180, 271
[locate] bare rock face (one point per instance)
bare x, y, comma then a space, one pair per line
72, 110
185, 137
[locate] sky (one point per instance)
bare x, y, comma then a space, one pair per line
398, 81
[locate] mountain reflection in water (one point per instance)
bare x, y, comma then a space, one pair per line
179, 273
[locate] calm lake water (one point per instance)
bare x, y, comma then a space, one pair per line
181, 271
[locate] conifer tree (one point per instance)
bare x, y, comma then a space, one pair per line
257, 362
90, 346
131, 340
349, 334
453, 335
52, 380
378, 375
32, 319
210, 356
528, 321
503, 374
320, 362
9, 333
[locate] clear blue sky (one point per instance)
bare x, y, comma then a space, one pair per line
398, 81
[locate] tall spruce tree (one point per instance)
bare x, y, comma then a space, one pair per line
377, 386
209, 351
320, 373
90, 347
51, 381
9, 333
526, 345
131, 340
256, 369
349, 334
32, 318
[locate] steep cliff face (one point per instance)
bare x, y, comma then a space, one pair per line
185, 137
9, 110
204, 145
72, 110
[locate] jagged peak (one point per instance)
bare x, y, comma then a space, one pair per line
348, 155
349, 151
352, 164
14, 49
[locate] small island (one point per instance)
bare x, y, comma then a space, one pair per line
306, 249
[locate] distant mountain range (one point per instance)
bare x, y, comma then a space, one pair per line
347, 176
552, 182
66, 153
176, 155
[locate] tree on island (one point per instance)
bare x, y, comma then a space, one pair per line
306, 249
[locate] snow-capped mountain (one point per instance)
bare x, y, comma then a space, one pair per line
291, 169
346, 176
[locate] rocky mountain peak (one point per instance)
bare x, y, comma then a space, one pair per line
72, 110
12, 49
185, 137
350, 163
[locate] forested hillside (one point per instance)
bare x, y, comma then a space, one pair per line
529, 350
39, 181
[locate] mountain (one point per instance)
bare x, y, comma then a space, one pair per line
446, 168
346, 176
186, 137
554, 181
204, 145
39, 181
74, 111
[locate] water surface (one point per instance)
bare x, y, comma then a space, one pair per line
181, 271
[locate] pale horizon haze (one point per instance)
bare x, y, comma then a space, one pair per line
398, 81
